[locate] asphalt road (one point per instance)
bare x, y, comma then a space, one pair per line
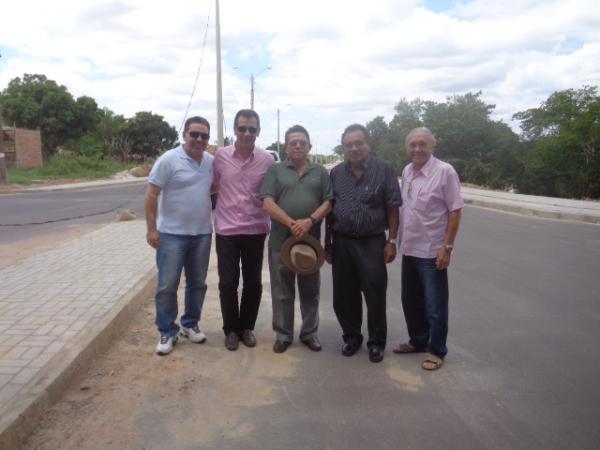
26, 215
521, 373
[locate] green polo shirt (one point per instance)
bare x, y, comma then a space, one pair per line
298, 196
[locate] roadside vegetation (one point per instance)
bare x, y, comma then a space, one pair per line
60, 167
556, 154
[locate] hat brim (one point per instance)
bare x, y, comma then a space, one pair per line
308, 240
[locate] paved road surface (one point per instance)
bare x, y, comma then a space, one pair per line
522, 372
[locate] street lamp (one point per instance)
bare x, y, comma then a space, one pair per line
252, 78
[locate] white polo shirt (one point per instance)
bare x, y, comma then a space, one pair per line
184, 206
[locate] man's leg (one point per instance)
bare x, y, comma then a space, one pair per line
282, 295
196, 267
373, 282
252, 248
435, 284
308, 288
413, 303
228, 264
170, 257
347, 298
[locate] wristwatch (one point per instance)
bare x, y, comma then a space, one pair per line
391, 241
449, 248
312, 220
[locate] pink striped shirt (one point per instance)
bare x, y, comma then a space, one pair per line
239, 207
428, 195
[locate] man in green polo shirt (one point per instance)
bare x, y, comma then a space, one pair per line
297, 195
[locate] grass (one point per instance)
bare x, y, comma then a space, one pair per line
66, 168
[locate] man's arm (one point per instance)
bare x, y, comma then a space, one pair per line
276, 212
151, 208
442, 260
393, 220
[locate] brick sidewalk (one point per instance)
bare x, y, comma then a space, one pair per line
52, 301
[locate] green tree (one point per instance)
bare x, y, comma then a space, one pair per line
149, 134
37, 102
564, 137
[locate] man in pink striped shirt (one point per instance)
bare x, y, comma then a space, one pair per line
431, 211
241, 226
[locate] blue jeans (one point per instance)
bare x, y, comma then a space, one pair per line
425, 304
174, 253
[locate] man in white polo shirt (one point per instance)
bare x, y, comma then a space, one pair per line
179, 196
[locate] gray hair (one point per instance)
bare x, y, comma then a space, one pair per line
421, 130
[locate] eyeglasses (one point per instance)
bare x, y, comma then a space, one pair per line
418, 144
197, 134
251, 130
298, 143
350, 145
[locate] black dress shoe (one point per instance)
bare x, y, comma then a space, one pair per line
248, 338
351, 346
375, 354
313, 343
231, 341
280, 346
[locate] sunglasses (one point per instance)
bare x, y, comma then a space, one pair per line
197, 134
251, 130
351, 145
298, 143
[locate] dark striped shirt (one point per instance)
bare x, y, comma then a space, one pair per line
360, 205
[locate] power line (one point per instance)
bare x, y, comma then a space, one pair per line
187, 109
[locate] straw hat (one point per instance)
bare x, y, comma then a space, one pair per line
303, 256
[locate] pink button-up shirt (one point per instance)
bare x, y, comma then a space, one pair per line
428, 195
239, 207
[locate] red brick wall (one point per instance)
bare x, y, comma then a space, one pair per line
28, 146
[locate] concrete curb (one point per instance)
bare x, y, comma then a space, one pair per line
531, 211
21, 416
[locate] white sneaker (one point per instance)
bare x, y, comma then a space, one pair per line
165, 345
193, 334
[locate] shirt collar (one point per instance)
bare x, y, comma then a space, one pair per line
366, 163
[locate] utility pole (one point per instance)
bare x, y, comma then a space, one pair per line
252, 80
278, 131
220, 138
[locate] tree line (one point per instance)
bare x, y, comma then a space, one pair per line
78, 125
557, 153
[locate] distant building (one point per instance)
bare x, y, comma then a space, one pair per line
22, 148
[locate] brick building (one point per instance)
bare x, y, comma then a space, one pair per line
22, 148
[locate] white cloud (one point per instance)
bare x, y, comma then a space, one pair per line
333, 62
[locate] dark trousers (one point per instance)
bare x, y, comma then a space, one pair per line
247, 248
425, 304
359, 268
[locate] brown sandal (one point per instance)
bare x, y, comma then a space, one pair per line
405, 348
432, 362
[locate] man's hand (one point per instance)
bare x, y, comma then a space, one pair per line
442, 260
389, 252
300, 227
328, 252
153, 238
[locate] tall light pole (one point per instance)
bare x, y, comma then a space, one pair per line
252, 79
220, 140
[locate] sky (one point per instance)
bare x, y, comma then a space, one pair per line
321, 63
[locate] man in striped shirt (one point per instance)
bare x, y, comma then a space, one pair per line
366, 200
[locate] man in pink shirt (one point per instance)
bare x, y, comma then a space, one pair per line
431, 211
241, 226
